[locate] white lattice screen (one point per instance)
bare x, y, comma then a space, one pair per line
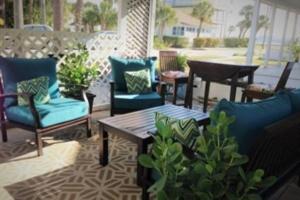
28, 44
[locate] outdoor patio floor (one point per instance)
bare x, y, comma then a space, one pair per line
69, 168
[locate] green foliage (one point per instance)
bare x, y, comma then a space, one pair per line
159, 43
205, 42
74, 74
176, 42
295, 49
215, 172
165, 16
236, 42
204, 11
181, 62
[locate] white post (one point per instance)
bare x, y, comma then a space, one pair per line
151, 26
269, 44
286, 19
251, 44
43, 11
294, 33
122, 13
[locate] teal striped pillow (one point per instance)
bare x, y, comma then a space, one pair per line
184, 131
38, 86
138, 82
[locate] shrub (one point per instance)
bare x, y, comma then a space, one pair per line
205, 42
159, 43
176, 42
236, 42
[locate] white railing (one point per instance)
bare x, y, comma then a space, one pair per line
29, 44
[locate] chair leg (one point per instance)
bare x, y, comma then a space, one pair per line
89, 127
243, 97
145, 193
39, 144
4, 131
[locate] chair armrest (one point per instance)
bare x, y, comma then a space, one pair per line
31, 105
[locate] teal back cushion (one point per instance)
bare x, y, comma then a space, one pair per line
121, 65
15, 70
251, 118
295, 98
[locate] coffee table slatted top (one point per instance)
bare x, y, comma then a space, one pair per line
139, 123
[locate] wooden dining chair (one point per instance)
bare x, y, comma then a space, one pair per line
263, 91
170, 72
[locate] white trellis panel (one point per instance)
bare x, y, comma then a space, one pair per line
133, 43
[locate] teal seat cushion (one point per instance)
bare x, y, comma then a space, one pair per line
124, 100
120, 65
15, 70
251, 118
295, 99
56, 111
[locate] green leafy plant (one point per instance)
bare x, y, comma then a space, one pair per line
181, 62
215, 172
75, 74
295, 49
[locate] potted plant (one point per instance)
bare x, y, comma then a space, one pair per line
215, 172
75, 75
181, 62
295, 48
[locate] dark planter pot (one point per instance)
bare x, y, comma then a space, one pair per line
90, 98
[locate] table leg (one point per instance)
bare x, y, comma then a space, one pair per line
206, 96
175, 88
250, 81
142, 149
233, 88
103, 148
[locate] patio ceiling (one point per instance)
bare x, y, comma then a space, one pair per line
286, 3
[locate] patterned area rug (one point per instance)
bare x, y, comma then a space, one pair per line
69, 169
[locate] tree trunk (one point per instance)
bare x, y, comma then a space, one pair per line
18, 14
199, 29
161, 31
43, 11
241, 33
58, 15
30, 10
78, 17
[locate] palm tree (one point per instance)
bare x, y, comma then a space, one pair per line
204, 11
230, 30
18, 14
263, 22
108, 16
165, 15
90, 16
43, 11
245, 24
78, 17
58, 15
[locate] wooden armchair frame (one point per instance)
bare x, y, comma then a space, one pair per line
37, 128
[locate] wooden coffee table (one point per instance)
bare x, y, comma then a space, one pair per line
135, 127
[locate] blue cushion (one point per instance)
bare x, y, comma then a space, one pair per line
15, 70
251, 118
136, 101
120, 65
56, 111
295, 99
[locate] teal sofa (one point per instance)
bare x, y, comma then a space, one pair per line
43, 119
121, 101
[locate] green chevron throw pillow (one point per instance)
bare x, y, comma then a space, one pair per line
138, 82
38, 86
185, 131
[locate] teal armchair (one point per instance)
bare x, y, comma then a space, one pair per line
121, 101
42, 119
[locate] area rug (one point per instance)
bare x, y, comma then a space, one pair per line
69, 168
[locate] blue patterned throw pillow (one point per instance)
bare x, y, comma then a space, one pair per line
185, 131
38, 86
138, 82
